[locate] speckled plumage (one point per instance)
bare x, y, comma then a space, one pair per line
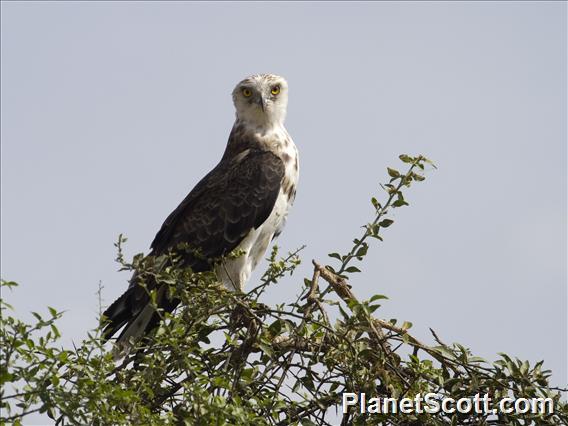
241, 204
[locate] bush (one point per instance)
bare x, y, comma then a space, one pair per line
228, 358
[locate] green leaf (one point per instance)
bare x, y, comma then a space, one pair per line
373, 308
275, 328
266, 349
362, 251
9, 284
377, 297
335, 255
393, 172
385, 223
352, 304
5, 376
399, 203
418, 177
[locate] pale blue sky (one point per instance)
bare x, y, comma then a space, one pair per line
111, 112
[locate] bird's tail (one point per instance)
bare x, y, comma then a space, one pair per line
133, 332
134, 313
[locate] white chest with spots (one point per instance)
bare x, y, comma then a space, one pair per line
235, 272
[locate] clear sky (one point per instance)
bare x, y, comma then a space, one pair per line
111, 112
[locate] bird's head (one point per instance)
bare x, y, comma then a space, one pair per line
261, 100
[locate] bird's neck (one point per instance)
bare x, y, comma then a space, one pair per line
246, 136
260, 125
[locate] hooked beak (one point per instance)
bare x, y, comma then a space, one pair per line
261, 103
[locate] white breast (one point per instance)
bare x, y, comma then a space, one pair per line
235, 272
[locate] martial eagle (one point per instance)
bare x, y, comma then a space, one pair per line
241, 205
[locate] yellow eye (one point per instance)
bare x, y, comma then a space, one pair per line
275, 90
247, 93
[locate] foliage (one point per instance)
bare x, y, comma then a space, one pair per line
228, 358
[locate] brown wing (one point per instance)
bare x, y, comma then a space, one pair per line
235, 197
218, 213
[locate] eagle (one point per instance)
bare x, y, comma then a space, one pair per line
242, 204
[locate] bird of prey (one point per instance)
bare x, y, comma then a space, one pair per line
241, 204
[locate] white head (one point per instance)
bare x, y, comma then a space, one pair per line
261, 100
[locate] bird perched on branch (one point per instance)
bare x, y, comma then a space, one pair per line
241, 205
